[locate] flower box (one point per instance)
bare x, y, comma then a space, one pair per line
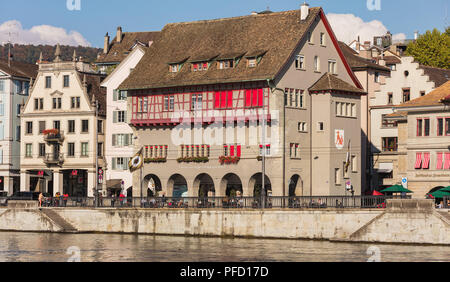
155, 160
193, 160
228, 160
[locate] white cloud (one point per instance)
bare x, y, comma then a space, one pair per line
348, 27
40, 34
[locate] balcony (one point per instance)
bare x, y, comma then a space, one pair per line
54, 159
53, 136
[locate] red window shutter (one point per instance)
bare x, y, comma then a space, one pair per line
418, 163
205, 66
260, 97
230, 99
232, 150
223, 99
439, 160
238, 151
248, 98
426, 161
255, 97
447, 161
217, 100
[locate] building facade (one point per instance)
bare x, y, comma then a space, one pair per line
424, 141
62, 132
277, 93
119, 136
408, 81
15, 79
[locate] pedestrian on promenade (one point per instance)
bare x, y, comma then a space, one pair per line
121, 197
41, 196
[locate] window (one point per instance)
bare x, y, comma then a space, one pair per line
406, 95
251, 62
41, 127
99, 149
119, 116
2, 85
41, 149
71, 126
71, 149
254, 97
200, 66
57, 124
120, 140
390, 144
120, 164
332, 66
294, 150
354, 163
322, 39
377, 77
66, 81
419, 127
226, 64
443, 126
28, 150
174, 67
337, 176
302, 127
447, 127
426, 129
320, 126
48, 82
122, 95
390, 98
316, 64
310, 39
196, 102
345, 170
345, 109
300, 62
2, 109
75, 102
100, 126
29, 127
18, 133
56, 103
387, 123
39, 104
422, 93
84, 149
18, 106
85, 126
169, 103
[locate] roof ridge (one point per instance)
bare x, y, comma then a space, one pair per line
237, 17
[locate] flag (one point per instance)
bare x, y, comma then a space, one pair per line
137, 161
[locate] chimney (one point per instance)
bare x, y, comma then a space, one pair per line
106, 44
304, 11
119, 34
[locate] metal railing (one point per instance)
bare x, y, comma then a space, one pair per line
54, 137
54, 158
304, 202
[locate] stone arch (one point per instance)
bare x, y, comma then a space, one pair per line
295, 186
255, 184
204, 186
151, 185
176, 185
230, 185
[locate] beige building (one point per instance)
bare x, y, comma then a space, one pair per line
424, 141
59, 125
201, 95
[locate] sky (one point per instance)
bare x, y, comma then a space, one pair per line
54, 21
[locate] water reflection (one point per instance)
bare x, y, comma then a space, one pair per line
34, 247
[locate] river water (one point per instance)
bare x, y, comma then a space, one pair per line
47, 247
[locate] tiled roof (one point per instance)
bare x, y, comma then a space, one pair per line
357, 62
19, 69
434, 98
437, 75
392, 60
119, 51
93, 82
276, 34
329, 82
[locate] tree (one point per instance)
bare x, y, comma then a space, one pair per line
432, 49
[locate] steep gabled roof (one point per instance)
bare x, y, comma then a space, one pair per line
119, 51
275, 33
329, 82
437, 75
94, 90
19, 69
357, 62
436, 97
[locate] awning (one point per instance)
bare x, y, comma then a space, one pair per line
385, 168
114, 184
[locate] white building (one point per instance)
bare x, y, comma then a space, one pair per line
15, 81
119, 135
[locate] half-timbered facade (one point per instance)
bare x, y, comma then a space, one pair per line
210, 100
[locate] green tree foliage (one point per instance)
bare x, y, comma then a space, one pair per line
432, 49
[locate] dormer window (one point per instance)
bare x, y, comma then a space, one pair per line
174, 68
252, 62
226, 64
200, 66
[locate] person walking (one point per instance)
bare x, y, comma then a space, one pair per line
41, 197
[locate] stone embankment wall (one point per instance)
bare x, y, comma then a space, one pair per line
404, 221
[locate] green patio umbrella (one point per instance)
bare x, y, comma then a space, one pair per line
446, 189
396, 189
440, 194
